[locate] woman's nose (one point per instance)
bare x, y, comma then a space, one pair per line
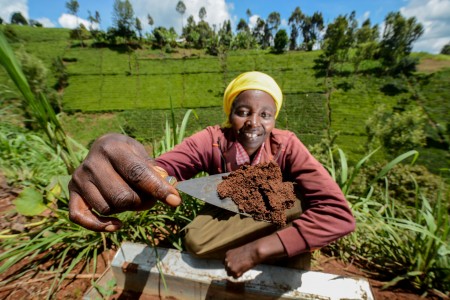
252, 120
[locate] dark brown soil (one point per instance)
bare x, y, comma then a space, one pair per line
259, 191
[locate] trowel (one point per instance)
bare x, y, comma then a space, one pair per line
205, 189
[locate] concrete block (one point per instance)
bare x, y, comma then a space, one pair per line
172, 274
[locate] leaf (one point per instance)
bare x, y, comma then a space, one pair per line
344, 167
30, 202
394, 162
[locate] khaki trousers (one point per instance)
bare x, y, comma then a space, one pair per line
214, 231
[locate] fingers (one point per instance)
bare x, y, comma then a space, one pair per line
81, 214
232, 269
116, 176
140, 174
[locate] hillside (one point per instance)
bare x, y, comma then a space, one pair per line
134, 90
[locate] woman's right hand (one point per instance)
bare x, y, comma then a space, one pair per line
117, 175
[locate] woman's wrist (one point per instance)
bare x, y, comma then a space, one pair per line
269, 247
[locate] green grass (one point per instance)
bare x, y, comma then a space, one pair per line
115, 81
354, 100
98, 124
36, 34
434, 99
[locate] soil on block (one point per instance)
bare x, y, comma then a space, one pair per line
259, 190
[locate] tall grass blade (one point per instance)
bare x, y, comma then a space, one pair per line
183, 126
40, 107
357, 168
344, 167
396, 161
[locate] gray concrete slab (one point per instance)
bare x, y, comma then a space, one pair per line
172, 274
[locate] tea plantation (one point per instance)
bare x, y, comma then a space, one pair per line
137, 88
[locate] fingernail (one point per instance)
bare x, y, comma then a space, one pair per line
112, 228
173, 200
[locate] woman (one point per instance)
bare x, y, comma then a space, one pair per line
252, 102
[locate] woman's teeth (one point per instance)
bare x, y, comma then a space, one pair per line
251, 135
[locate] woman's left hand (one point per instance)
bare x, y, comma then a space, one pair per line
239, 260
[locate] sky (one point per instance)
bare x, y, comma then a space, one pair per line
434, 15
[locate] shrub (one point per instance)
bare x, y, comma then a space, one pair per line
281, 41
402, 181
446, 49
396, 131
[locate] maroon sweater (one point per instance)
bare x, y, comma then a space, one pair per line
326, 215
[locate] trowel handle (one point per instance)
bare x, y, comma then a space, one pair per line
170, 179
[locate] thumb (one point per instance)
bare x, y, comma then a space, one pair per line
173, 197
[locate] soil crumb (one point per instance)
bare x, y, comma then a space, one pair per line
259, 191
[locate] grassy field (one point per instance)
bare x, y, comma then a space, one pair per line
136, 89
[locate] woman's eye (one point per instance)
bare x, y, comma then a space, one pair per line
242, 113
266, 115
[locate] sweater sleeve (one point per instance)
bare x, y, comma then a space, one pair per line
191, 156
327, 215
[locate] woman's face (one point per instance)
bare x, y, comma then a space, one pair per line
253, 117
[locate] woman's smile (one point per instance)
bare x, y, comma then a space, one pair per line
253, 118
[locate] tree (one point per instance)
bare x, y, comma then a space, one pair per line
308, 26
18, 18
164, 37
281, 41
138, 26
225, 35
272, 23
398, 36
366, 33
249, 14
258, 31
181, 9
150, 20
96, 33
446, 49
205, 32
293, 37
190, 32
94, 19
98, 19
311, 27
243, 40
73, 6
242, 26
1, 20
366, 43
80, 33
34, 23
202, 13
339, 38
295, 20
123, 19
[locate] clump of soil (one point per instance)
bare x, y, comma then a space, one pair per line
259, 191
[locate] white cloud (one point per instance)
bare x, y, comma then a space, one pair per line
434, 16
71, 21
164, 12
9, 7
46, 22
253, 20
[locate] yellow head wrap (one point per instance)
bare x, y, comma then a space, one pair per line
251, 81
